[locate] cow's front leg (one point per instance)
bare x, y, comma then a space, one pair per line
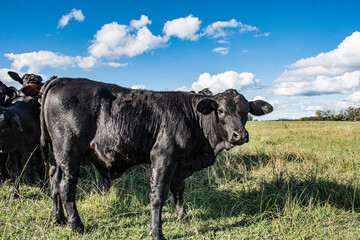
177, 189
163, 169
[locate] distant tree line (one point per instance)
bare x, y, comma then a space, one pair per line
350, 114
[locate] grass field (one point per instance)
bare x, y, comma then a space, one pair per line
293, 180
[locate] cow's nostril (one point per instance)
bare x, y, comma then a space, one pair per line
236, 136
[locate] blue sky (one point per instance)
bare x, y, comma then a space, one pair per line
300, 56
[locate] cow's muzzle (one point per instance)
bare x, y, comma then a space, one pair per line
239, 137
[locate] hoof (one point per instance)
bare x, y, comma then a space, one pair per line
77, 227
61, 221
157, 235
182, 214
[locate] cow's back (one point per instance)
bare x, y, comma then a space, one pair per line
109, 122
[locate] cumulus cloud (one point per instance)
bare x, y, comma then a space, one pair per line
115, 64
221, 50
353, 99
36, 61
76, 14
221, 82
115, 40
337, 71
183, 28
138, 87
224, 28
262, 35
137, 24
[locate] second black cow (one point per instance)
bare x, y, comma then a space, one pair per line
116, 128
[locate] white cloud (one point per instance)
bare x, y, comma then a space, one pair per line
184, 28
320, 85
223, 28
36, 61
115, 64
262, 35
115, 40
138, 87
221, 82
76, 14
221, 50
222, 41
353, 99
85, 62
144, 20
337, 71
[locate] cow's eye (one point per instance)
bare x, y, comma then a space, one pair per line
221, 112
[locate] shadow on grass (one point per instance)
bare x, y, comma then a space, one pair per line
269, 201
274, 195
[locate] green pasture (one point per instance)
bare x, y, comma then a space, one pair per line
293, 180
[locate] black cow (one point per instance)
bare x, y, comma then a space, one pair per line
31, 83
7, 95
20, 135
178, 133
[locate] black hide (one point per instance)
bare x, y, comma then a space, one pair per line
115, 128
20, 135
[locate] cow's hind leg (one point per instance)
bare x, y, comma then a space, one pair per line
177, 189
57, 208
70, 167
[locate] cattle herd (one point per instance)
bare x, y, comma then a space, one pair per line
115, 128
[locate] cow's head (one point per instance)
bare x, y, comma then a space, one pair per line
26, 79
9, 123
231, 111
205, 91
31, 83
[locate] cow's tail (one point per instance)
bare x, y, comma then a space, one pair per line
45, 140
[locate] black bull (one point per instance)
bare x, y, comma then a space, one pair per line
116, 128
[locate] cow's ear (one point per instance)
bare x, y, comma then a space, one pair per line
15, 120
206, 106
260, 107
15, 76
